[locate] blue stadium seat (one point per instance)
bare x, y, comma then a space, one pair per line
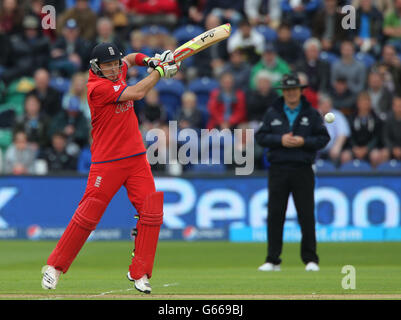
234, 28
61, 84
390, 166
365, 58
217, 145
188, 62
142, 73
205, 117
269, 33
300, 33
95, 5
186, 33
202, 88
325, 165
355, 166
170, 92
329, 57
132, 81
208, 168
154, 29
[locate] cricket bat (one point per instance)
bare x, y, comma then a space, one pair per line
203, 41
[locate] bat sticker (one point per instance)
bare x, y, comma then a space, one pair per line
210, 34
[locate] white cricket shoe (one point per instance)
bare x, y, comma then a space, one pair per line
269, 267
50, 277
142, 284
312, 266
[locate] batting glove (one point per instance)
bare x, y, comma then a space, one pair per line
166, 56
151, 62
168, 69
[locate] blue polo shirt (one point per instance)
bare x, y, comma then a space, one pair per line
364, 29
291, 113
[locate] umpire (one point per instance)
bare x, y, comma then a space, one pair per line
293, 132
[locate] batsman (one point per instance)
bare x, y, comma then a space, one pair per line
118, 159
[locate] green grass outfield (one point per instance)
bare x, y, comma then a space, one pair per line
204, 270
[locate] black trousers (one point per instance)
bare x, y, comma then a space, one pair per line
300, 181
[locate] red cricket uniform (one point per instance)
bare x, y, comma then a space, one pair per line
118, 159
115, 130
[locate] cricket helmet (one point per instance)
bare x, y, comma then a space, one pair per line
103, 53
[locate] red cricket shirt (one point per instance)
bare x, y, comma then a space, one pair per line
115, 129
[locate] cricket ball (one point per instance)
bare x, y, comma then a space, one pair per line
329, 117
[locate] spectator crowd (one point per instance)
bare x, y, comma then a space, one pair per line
354, 73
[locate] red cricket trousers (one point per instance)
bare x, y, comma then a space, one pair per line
104, 180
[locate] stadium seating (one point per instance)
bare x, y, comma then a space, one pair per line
186, 33
142, 72
390, 166
170, 92
301, 33
7, 115
95, 5
329, 57
154, 29
61, 84
6, 137
202, 88
325, 165
234, 28
216, 145
269, 33
205, 117
365, 58
188, 62
208, 168
356, 166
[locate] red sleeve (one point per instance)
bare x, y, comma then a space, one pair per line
312, 97
106, 91
216, 117
239, 114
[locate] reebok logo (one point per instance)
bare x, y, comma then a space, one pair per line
116, 88
97, 182
276, 122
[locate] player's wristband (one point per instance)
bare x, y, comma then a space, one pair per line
140, 59
160, 70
